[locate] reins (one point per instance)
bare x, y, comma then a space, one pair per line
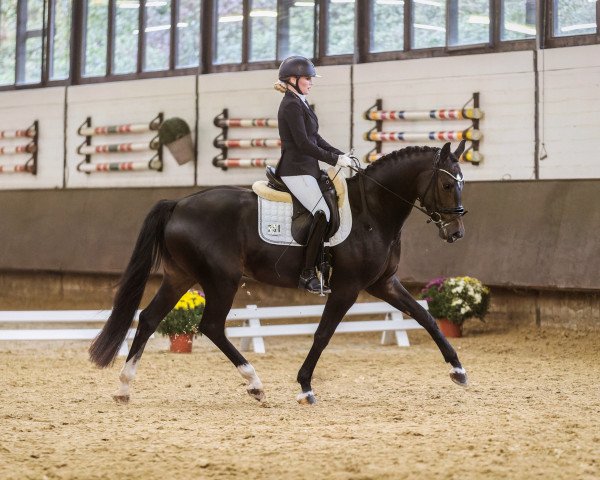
434, 216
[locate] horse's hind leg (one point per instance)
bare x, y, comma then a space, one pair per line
219, 298
163, 302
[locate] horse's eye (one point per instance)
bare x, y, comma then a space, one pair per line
447, 186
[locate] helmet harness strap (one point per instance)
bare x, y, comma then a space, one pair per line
295, 87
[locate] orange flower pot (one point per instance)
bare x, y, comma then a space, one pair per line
181, 343
448, 328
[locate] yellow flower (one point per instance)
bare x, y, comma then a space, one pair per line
190, 301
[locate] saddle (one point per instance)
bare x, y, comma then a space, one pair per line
274, 189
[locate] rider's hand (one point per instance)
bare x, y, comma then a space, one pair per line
344, 161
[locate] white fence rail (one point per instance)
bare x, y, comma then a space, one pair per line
50, 317
393, 326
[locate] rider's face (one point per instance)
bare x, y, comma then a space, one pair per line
305, 84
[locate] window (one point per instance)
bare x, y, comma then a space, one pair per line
263, 30
126, 33
8, 41
429, 23
60, 39
468, 22
340, 27
96, 22
157, 35
228, 45
296, 28
574, 17
387, 25
518, 19
188, 34
30, 14
142, 38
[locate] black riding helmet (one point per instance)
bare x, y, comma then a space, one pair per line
296, 66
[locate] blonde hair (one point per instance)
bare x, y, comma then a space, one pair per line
280, 86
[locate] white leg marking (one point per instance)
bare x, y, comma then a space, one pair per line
126, 376
247, 371
303, 395
458, 370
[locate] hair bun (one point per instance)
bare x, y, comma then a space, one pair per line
280, 87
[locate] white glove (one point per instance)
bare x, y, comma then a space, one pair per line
344, 161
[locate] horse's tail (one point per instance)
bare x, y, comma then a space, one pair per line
146, 256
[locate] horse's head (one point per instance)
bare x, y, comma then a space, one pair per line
440, 191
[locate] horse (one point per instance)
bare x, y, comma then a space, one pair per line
211, 238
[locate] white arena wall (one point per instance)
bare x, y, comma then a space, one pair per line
570, 112
18, 111
251, 95
117, 103
506, 85
569, 80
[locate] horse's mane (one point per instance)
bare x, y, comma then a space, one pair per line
399, 154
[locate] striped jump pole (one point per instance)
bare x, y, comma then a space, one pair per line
470, 156
247, 143
438, 136
19, 168
245, 122
27, 133
89, 131
440, 114
154, 164
244, 162
118, 147
17, 149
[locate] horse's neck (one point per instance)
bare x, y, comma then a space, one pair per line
392, 191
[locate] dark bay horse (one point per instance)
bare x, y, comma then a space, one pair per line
211, 238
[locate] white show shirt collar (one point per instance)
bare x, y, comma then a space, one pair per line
302, 97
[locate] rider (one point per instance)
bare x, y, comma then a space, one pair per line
301, 149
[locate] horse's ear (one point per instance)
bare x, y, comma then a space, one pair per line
445, 151
460, 150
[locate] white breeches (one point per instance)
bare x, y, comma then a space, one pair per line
306, 189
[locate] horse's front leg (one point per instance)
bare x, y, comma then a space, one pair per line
392, 291
336, 307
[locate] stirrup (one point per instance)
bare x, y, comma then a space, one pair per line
310, 282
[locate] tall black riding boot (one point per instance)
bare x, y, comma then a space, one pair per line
308, 278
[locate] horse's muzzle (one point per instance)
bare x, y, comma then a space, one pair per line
452, 231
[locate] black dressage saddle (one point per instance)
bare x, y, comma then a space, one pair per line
301, 217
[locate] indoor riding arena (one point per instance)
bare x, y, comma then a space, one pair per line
478, 118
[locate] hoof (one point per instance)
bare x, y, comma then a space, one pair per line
257, 394
122, 399
459, 376
306, 398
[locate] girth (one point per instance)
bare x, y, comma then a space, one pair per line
301, 217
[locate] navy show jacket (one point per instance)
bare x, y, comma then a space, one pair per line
301, 144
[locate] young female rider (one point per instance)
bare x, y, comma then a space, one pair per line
301, 149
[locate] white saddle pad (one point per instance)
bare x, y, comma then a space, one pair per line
275, 223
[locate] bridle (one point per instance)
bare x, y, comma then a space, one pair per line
435, 215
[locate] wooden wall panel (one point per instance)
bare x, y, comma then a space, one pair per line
523, 234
